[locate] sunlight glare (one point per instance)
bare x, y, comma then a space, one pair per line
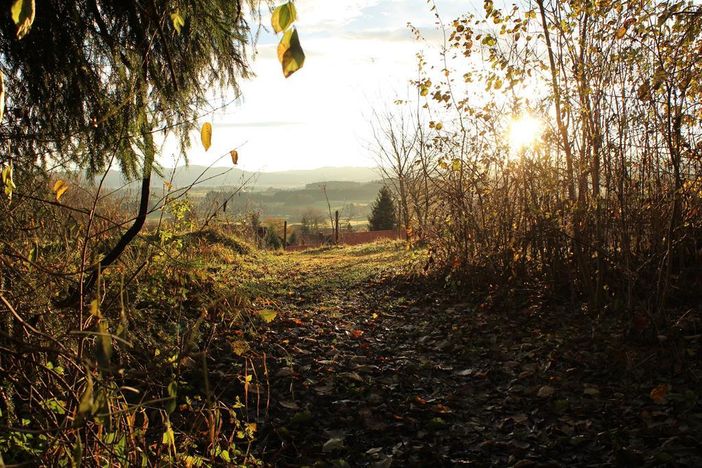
524, 131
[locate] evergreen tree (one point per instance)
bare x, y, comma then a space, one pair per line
382, 215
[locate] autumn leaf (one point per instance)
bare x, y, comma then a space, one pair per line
620, 33
235, 156
87, 400
177, 20
290, 53
659, 393
206, 135
283, 16
267, 315
643, 91
59, 188
23, 12
240, 347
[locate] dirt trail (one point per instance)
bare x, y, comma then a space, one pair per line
368, 371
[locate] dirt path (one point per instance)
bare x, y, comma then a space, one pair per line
368, 371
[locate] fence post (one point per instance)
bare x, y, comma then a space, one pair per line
285, 234
336, 229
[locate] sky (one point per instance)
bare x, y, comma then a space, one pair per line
360, 56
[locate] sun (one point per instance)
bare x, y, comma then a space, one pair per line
524, 131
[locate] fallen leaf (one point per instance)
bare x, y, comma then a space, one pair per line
659, 393
441, 409
240, 347
291, 405
333, 445
267, 315
546, 391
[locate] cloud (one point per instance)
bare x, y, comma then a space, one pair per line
329, 15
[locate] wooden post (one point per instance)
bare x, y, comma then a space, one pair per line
336, 227
285, 234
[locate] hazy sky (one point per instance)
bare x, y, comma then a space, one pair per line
359, 56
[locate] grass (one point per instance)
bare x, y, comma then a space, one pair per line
315, 273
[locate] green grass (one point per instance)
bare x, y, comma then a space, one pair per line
315, 273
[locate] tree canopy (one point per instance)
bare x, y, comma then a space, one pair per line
93, 80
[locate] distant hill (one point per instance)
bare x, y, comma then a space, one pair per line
224, 177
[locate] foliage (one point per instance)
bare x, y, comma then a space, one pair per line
382, 215
111, 366
63, 107
290, 53
601, 204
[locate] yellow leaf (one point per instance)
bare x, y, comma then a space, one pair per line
206, 135
439, 126
267, 315
23, 15
659, 392
456, 165
235, 156
240, 347
7, 180
168, 436
621, 32
59, 188
290, 53
283, 17
177, 20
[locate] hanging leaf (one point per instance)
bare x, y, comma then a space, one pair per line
23, 16
489, 41
643, 91
620, 33
168, 436
103, 351
172, 394
283, 17
7, 181
177, 20
267, 315
235, 156
290, 53
87, 400
34, 253
59, 188
206, 135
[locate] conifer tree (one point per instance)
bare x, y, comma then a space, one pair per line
382, 215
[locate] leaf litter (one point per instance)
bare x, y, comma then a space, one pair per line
371, 370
